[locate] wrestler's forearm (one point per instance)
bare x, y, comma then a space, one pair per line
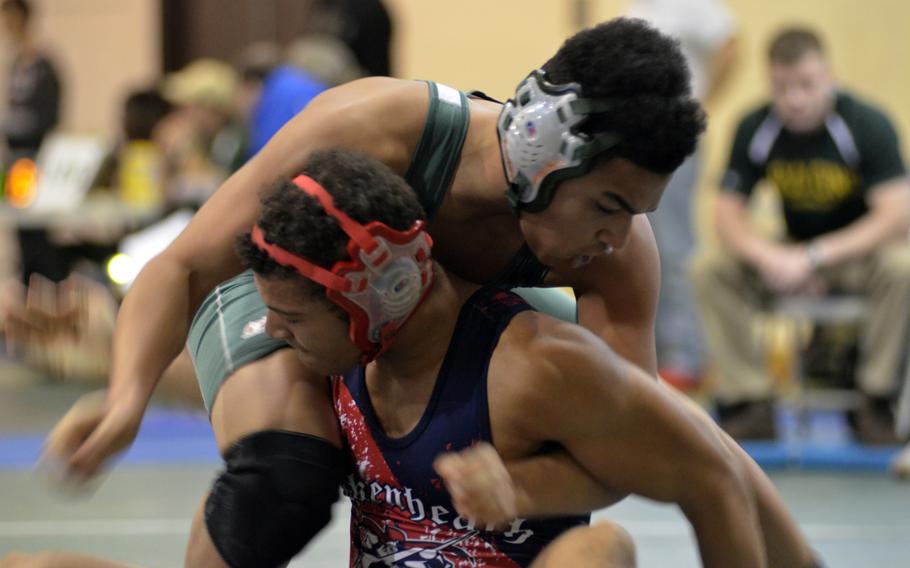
556, 484
725, 525
785, 544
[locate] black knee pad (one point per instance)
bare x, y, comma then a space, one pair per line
275, 494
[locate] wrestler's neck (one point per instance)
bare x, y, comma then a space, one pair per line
421, 344
480, 185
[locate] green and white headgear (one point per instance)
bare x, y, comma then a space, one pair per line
540, 142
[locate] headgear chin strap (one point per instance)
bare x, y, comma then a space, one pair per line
540, 142
388, 276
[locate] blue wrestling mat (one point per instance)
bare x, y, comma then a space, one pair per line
822, 442
169, 436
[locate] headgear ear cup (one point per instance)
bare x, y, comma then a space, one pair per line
388, 275
398, 287
539, 140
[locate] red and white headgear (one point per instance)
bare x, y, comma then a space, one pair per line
388, 276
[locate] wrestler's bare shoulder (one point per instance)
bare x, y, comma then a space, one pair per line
392, 105
546, 351
380, 116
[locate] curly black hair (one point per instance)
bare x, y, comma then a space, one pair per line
364, 188
646, 74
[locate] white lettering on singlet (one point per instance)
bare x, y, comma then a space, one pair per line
403, 499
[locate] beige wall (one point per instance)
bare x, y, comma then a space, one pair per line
488, 45
102, 48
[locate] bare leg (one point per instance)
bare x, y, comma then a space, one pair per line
273, 393
601, 545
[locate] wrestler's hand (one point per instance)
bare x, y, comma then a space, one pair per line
88, 436
481, 488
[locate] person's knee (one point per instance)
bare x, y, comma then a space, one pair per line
601, 545
613, 543
274, 496
707, 268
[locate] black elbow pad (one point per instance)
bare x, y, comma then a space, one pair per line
275, 494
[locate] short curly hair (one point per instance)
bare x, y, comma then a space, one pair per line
657, 116
362, 187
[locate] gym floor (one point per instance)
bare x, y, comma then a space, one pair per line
854, 514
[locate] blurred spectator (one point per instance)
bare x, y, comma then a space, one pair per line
311, 65
254, 64
202, 138
139, 172
34, 88
835, 162
33, 110
143, 109
366, 28
324, 57
706, 33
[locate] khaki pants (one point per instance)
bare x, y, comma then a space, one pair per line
730, 294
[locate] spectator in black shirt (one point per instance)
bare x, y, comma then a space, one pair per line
33, 85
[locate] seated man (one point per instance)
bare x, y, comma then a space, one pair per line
835, 161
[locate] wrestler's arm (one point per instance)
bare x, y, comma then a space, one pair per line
617, 299
492, 492
155, 315
540, 486
170, 288
630, 433
617, 296
620, 309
